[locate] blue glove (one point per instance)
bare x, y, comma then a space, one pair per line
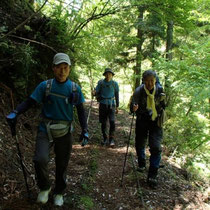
85, 138
12, 121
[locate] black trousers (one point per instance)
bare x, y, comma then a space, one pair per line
62, 148
148, 130
107, 112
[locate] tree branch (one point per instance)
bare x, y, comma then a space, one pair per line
94, 17
33, 41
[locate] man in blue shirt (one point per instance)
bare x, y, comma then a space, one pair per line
58, 96
107, 93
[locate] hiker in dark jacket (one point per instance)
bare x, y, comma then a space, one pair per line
107, 94
148, 103
58, 97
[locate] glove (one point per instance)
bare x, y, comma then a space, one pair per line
12, 121
162, 96
85, 138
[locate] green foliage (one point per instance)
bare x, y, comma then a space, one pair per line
98, 34
24, 62
185, 132
196, 165
87, 202
21, 62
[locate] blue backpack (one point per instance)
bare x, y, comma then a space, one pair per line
101, 85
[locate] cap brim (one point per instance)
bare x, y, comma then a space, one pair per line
108, 71
62, 61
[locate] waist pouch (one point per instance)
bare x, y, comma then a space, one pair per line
59, 130
56, 129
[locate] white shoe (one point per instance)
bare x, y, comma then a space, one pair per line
43, 196
58, 200
112, 143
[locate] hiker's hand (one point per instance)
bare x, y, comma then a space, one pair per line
12, 121
162, 96
116, 111
85, 138
135, 107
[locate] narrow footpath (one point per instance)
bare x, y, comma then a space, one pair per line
94, 174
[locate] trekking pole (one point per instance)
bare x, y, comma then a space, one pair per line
11, 119
90, 107
91, 89
127, 149
139, 191
22, 165
85, 140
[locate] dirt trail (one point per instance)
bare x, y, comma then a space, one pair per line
174, 191
94, 177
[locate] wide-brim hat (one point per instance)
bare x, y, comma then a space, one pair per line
108, 70
61, 58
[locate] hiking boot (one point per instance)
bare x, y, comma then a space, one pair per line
58, 200
141, 164
141, 168
111, 143
104, 142
152, 177
152, 181
43, 196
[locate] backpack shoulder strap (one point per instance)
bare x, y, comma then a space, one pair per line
101, 82
75, 95
48, 87
140, 92
114, 84
74, 87
48, 91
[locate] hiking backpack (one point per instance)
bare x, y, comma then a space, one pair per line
72, 99
101, 84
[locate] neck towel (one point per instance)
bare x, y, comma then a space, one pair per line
151, 102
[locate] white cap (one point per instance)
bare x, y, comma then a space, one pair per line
61, 58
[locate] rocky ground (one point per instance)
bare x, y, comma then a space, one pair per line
94, 174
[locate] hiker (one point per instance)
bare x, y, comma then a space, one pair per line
107, 94
58, 96
148, 104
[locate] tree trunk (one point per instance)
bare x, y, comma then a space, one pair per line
137, 69
169, 41
153, 49
169, 45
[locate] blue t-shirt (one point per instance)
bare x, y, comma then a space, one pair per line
54, 107
108, 91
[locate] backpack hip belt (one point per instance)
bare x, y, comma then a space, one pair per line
106, 99
111, 99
